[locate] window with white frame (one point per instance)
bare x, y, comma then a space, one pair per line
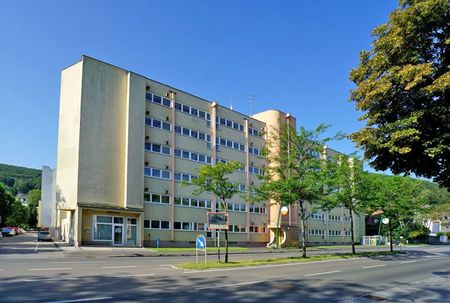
156, 173
157, 148
188, 155
158, 124
103, 228
192, 202
157, 99
156, 224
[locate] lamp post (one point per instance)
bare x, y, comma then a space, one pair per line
283, 211
384, 221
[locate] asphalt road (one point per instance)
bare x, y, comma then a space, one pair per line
32, 272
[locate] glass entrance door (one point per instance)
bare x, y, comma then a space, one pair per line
118, 234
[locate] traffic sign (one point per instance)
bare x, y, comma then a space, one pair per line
200, 245
200, 242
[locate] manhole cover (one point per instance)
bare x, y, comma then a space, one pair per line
374, 298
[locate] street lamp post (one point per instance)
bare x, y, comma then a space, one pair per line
283, 211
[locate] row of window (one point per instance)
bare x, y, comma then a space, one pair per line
258, 229
158, 148
192, 133
320, 216
192, 111
158, 124
156, 173
200, 203
320, 232
197, 226
157, 99
254, 151
255, 170
199, 113
197, 157
229, 123
156, 198
237, 228
191, 202
156, 224
184, 177
192, 156
230, 144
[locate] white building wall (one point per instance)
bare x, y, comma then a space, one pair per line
47, 197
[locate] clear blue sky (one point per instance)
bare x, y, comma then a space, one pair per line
292, 55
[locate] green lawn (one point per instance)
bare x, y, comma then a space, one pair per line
257, 262
192, 249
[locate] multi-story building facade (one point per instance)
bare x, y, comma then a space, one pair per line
125, 145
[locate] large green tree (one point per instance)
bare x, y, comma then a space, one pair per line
348, 185
400, 200
6, 204
34, 196
214, 179
402, 87
294, 171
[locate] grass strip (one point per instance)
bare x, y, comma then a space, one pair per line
192, 249
258, 262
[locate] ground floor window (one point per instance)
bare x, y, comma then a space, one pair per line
103, 228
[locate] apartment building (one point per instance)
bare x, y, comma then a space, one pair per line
126, 142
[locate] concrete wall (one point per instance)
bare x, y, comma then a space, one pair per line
68, 136
46, 207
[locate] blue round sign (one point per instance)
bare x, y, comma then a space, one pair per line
200, 242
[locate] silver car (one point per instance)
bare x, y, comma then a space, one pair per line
44, 236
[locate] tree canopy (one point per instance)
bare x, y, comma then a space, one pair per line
402, 87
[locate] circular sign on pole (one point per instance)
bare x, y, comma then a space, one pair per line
200, 242
284, 210
385, 220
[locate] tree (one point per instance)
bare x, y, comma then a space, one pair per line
213, 179
18, 214
293, 173
34, 196
402, 87
347, 185
399, 199
6, 203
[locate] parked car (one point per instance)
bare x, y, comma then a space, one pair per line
16, 229
8, 232
44, 236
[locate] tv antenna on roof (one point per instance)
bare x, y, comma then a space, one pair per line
251, 100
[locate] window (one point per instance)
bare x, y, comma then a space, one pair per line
157, 99
177, 106
165, 150
103, 228
154, 224
186, 109
157, 123
156, 173
156, 198
156, 148
166, 102
165, 225
146, 223
166, 126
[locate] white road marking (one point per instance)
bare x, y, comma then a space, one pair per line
138, 275
36, 248
265, 266
229, 285
373, 266
59, 279
81, 300
119, 266
76, 262
60, 268
322, 273
406, 262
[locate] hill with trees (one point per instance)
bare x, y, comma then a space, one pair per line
20, 179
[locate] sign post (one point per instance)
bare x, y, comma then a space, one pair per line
200, 245
218, 221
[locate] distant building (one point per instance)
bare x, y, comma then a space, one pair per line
47, 204
126, 142
441, 225
22, 198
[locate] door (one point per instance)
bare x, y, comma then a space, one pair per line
118, 234
131, 232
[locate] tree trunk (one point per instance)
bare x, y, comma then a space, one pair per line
302, 219
226, 246
352, 230
390, 235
